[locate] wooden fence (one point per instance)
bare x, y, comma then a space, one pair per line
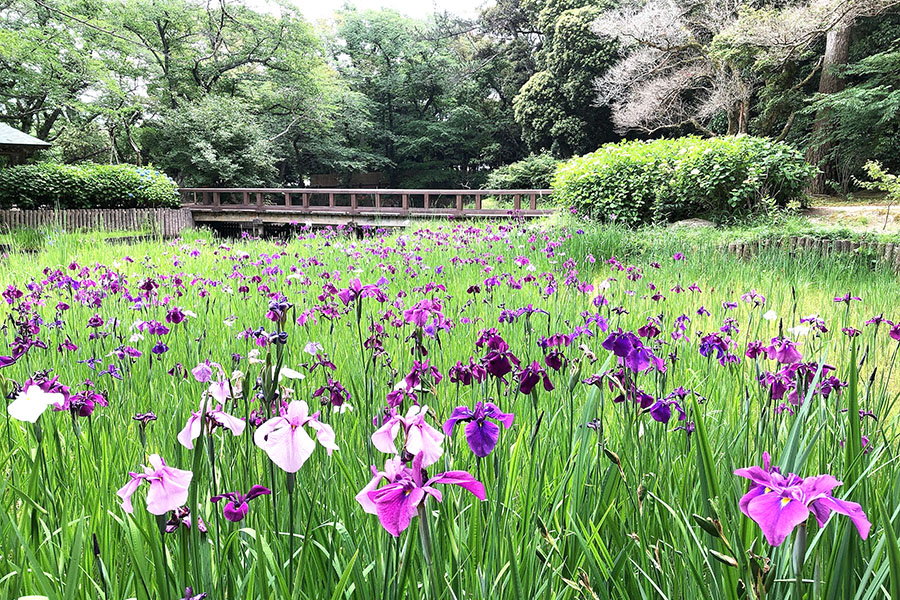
389, 202
168, 222
882, 253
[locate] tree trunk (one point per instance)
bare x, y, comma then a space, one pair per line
837, 54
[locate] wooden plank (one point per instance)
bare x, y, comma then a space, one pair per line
217, 199
459, 203
533, 203
331, 199
353, 205
517, 202
246, 198
377, 200
427, 201
287, 199
305, 200
404, 201
477, 201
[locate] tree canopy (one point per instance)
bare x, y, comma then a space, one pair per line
237, 93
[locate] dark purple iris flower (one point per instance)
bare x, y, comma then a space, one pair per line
556, 360
237, 508
337, 393
181, 517
159, 348
95, 321
894, 333
778, 503
467, 374
144, 418
531, 375
481, 434
82, 404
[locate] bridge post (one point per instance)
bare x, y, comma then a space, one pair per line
533, 201
259, 201
287, 199
477, 201
404, 202
305, 198
459, 203
353, 203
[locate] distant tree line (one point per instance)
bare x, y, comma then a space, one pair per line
217, 93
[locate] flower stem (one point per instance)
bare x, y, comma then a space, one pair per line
425, 537
799, 556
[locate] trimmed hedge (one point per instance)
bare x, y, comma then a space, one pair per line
51, 185
531, 173
670, 179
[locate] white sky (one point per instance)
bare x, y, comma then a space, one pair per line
314, 10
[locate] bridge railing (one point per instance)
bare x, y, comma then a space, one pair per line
372, 201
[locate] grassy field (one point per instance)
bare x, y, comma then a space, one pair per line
614, 477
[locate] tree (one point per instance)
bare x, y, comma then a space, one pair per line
555, 107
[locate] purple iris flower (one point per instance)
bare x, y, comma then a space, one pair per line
159, 348
531, 375
95, 321
894, 333
237, 508
481, 434
778, 503
419, 370
398, 502
555, 360
189, 595
632, 352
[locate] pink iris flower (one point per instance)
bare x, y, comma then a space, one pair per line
285, 440
216, 418
168, 487
420, 436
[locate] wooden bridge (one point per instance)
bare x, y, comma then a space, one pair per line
258, 207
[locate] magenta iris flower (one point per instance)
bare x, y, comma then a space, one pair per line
778, 503
285, 440
168, 487
784, 351
397, 503
421, 438
215, 417
237, 508
481, 434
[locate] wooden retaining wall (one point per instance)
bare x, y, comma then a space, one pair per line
881, 253
169, 222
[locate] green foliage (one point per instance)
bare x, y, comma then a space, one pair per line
216, 142
531, 173
670, 179
50, 185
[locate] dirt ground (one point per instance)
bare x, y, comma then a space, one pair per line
858, 217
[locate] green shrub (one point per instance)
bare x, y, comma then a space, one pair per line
531, 173
669, 179
51, 185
